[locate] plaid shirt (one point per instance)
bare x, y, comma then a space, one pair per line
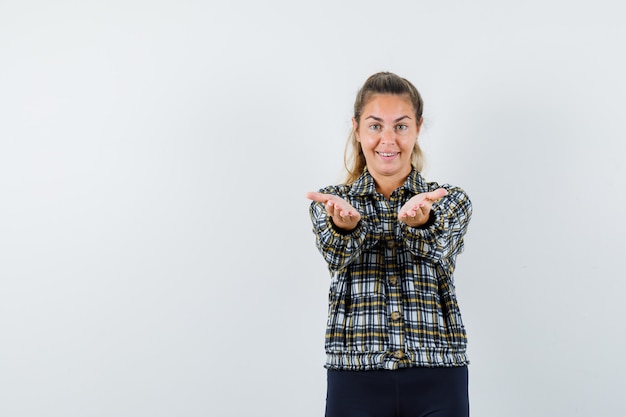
392, 301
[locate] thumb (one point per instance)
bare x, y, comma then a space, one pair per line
319, 197
437, 194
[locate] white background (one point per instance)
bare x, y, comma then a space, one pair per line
156, 255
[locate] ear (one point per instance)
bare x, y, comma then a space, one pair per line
355, 129
419, 125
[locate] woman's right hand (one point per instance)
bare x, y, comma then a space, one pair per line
343, 214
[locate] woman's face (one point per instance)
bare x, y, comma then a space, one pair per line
387, 132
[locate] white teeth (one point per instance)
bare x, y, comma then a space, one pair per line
386, 154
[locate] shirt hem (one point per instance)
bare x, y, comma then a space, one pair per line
358, 361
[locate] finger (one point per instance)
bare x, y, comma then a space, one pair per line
346, 212
418, 207
319, 197
334, 209
437, 194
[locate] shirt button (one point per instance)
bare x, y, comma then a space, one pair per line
395, 315
391, 244
398, 354
393, 280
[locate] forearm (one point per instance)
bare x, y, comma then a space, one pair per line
442, 235
338, 247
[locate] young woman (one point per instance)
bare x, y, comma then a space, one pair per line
395, 342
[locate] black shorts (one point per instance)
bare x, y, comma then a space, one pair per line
409, 392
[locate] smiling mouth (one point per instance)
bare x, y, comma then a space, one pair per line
387, 154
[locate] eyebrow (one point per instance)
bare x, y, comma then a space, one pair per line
378, 119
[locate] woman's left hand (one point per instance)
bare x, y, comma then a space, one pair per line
416, 211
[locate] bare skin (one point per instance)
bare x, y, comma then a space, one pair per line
414, 212
387, 132
343, 214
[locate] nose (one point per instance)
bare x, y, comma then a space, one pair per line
388, 136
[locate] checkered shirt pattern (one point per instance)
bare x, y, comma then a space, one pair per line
392, 301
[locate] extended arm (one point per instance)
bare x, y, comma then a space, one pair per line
443, 235
338, 229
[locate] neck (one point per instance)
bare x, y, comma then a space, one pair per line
388, 184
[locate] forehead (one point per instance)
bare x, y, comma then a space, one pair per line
388, 104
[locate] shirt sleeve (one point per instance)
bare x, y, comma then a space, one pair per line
338, 248
444, 236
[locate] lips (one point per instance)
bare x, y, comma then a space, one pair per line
387, 154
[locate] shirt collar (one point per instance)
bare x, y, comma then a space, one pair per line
365, 185
415, 183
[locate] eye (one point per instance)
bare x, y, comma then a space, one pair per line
402, 127
374, 126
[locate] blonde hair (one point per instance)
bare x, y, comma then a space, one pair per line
380, 83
